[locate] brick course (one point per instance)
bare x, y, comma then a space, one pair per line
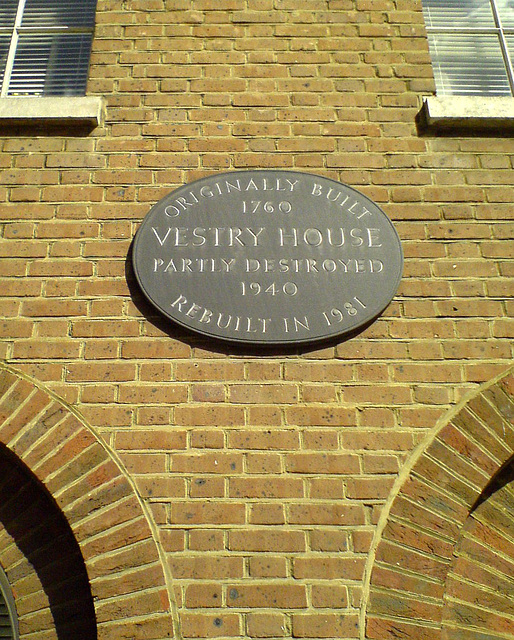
72, 490
430, 551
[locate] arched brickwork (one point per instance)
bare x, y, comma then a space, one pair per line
432, 523
99, 503
45, 567
479, 594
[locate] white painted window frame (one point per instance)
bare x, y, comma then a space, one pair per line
499, 30
473, 111
24, 109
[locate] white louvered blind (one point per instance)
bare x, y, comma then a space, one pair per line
471, 45
45, 46
8, 617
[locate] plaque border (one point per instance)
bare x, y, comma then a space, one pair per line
344, 333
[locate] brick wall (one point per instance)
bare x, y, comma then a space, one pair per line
262, 476
441, 562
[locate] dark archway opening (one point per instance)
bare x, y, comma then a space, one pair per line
40, 531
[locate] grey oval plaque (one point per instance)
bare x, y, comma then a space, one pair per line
268, 257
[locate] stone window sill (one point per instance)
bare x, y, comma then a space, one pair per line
67, 110
467, 112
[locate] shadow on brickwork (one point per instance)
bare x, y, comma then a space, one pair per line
444, 564
42, 128
41, 533
479, 597
504, 477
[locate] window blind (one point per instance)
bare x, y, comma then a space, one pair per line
8, 616
45, 46
5, 622
471, 45
8, 13
52, 13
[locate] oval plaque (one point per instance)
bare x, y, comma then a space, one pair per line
268, 257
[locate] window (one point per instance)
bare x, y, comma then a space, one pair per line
45, 46
8, 616
472, 46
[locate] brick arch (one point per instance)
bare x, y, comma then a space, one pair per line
42, 559
98, 501
479, 594
424, 524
